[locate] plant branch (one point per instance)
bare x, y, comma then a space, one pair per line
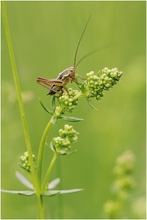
43, 139
49, 171
41, 148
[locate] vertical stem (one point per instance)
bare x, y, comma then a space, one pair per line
49, 171
60, 214
40, 207
42, 142
41, 148
18, 90
22, 113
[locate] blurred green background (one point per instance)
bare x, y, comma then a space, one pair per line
45, 36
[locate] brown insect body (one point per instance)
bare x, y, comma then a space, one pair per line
56, 85
65, 76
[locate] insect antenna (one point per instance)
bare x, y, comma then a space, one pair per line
80, 41
99, 49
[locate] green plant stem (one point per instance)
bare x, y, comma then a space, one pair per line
60, 200
42, 142
41, 148
40, 206
49, 171
21, 109
79, 95
17, 86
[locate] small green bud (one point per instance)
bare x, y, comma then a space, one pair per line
24, 161
57, 112
67, 100
108, 85
97, 83
62, 143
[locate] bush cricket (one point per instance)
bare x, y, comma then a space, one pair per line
56, 85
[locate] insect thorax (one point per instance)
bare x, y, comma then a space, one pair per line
67, 74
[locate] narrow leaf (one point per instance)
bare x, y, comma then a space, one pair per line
25, 193
23, 180
46, 109
71, 119
64, 152
52, 147
70, 191
54, 183
51, 193
71, 152
91, 105
55, 192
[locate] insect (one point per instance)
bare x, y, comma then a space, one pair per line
56, 85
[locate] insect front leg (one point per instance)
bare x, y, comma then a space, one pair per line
80, 76
75, 80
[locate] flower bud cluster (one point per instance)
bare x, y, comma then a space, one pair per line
97, 83
24, 161
123, 169
123, 183
62, 143
68, 101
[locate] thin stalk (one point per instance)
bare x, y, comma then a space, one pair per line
79, 95
60, 201
40, 207
18, 90
49, 171
22, 113
42, 142
41, 148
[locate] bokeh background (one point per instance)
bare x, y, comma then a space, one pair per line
45, 36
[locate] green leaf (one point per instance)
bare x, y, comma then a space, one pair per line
72, 152
67, 152
54, 183
23, 180
91, 105
52, 147
46, 109
71, 119
24, 193
51, 193
55, 192
70, 191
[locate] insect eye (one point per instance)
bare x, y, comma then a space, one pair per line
72, 69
